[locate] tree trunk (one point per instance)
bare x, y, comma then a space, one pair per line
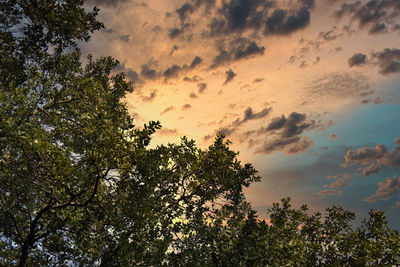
24, 255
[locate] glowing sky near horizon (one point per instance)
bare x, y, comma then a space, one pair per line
307, 91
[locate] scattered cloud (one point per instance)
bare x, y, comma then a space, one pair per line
329, 192
388, 60
229, 76
386, 189
333, 136
168, 132
168, 109
372, 159
373, 14
186, 106
286, 132
150, 97
338, 85
202, 87
357, 60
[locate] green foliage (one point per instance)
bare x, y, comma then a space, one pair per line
79, 184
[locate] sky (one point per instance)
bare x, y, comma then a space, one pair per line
308, 91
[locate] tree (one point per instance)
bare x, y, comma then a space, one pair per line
74, 168
80, 185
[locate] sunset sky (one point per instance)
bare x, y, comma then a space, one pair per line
307, 91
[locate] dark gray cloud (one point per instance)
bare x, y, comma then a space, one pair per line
248, 115
174, 32
237, 16
241, 14
173, 49
386, 189
378, 27
148, 73
291, 145
357, 60
172, 71
286, 133
229, 76
374, 14
388, 60
293, 125
238, 49
329, 35
130, 74
193, 79
282, 22
202, 87
185, 10
195, 62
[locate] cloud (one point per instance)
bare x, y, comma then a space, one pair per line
131, 75
186, 106
329, 35
397, 205
248, 115
168, 109
378, 27
374, 14
329, 192
364, 155
193, 95
340, 181
229, 76
173, 49
167, 132
386, 189
302, 145
150, 97
292, 125
333, 136
172, 71
174, 32
202, 87
238, 49
373, 159
388, 60
195, 62
281, 22
287, 132
148, 73
370, 169
357, 60
345, 176
185, 10
338, 85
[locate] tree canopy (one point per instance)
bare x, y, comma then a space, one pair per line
80, 185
